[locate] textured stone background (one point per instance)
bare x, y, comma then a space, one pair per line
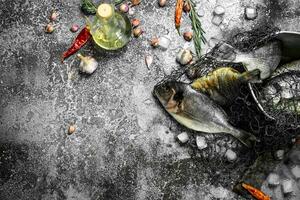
124, 146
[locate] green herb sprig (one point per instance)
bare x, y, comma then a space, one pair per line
117, 2
88, 7
198, 35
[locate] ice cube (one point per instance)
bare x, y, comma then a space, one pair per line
164, 42
273, 179
200, 11
217, 20
219, 10
296, 171
230, 155
213, 41
294, 157
183, 137
279, 154
201, 142
250, 13
287, 186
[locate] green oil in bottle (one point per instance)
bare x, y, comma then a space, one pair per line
110, 29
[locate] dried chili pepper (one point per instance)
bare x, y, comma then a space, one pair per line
178, 13
259, 195
79, 42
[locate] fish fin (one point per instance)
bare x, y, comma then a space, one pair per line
245, 137
252, 76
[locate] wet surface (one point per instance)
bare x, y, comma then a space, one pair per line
124, 146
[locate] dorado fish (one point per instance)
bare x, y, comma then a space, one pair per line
223, 84
197, 111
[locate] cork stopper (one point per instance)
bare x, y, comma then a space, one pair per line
105, 11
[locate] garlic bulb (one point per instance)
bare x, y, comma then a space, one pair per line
184, 56
88, 64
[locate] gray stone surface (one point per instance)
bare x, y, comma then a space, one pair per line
124, 146
287, 184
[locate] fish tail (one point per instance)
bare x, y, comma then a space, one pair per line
245, 137
252, 76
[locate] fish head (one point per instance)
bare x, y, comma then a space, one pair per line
169, 93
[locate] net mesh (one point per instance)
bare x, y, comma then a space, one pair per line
244, 113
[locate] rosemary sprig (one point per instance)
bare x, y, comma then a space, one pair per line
117, 2
198, 35
88, 7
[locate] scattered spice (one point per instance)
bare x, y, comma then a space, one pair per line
188, 36
71, 129
88, 64
79, 42
186, 7
124, 8
137, 32
259, 195
178, 14
49, 28
198, 32
53, 16
135, 2
74, 28
135, 22
88, 7
154, 42
162, 3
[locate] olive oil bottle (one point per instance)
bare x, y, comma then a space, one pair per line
110, 29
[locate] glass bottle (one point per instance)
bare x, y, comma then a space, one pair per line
110, 28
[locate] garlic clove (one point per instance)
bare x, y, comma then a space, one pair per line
148, 60
88, 64
184, 56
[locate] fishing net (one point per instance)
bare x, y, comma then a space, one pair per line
249, 40
250, 111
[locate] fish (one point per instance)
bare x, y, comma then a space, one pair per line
197, 111
223, 84
282, 93
265, 58
256, 193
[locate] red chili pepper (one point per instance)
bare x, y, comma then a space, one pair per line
79, 42
259, 195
